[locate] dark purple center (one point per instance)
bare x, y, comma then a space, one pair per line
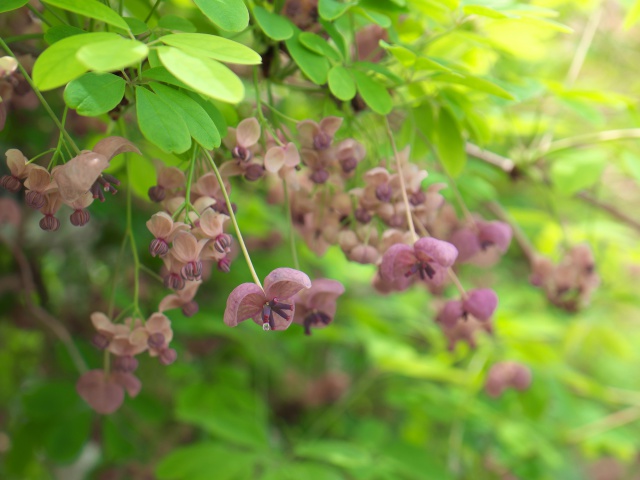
279, 308
315, 318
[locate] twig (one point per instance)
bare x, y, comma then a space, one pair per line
610, 209
520, 237
503, 163
40, 313
593, 138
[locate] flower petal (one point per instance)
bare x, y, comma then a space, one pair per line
75, 177
481, 303
466, 241
112, 146
245, 301
185, 247
248, 132
495, 233
99, 392
291, 155
102, 323
450, 314
274, 159
128, 381
442, 252
330, 125
160, 225
387, 267
284, 283
307, 129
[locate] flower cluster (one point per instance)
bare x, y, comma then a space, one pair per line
76, 183
504, 375
569, 284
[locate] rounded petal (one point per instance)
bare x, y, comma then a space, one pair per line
495, 233
128, 381
17, 163
284, 283
307, 129
274, 159
442, 252
322, 295
75, 177
211, 223
38, 179
102, 323
291, 155
364, 254
245, 301
450, 314
185, 247
390, 259
481, 303
330, 125
248, 132
171, 177
111, 146
467, 243
157, 322
160, 225
103, 395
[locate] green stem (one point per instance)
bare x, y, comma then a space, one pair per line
187, 193
152, 11
112, 297
52, 12
41, 155
41, 98
403, 188
292, 238
134, 248
21, 38
38, 14
232, 215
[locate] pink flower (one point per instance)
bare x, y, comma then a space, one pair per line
480, 304
169, 178
473, 241
273, 307
503, 375
186, 250
19, 169
105, 393
38, 184
283, 161
318, 136
164, 229
158, 328
316, 306
428, 258
183, 299
242, 140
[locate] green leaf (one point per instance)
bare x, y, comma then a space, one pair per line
211, 46
377, 68
405, 56
212, 111
58, 64
112, 54
94, 94
8, 5
331, 9
314, 66
160, 123
136, 26
58, 32
484, 12
65, 440
203, 75
302, 470
200, 125
319, 45
336, 36
226, 412
376, 17
92, 9
274, 26
230, 15
476, 83
450, 143
341, 83
341, 454
161, 74
373, 93
173, 22
573, 171
196, 462
428, 64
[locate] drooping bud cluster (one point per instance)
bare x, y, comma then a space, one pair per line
570, 283
504, 375
76, 183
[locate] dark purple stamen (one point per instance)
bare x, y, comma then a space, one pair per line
315, 318
424, 269
279, 308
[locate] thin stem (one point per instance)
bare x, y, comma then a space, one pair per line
51, 150
403, 188
187, 193
243, 247
48, 320
53, 12
134, 248
593, 138
38, 14
504, 163
151, 273
112, 296
41, 98
152, 11
292, 239
21, 38
610, 209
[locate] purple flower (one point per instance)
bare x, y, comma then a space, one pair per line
427, 259
503, 375
273, 307
316, 306
105, 393
483, 236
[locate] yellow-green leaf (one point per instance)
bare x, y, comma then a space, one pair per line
212, 46
92, 9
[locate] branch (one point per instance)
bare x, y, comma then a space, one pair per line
610, 209
40, 313
505, 164
593, 138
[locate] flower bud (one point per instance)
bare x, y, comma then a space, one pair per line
79, 218
126, 363
100, 341
189, 309
11, 183
384, 192
224, 265
168, 356
157, 193
254, 172
49, 223
320, 176
156, 340
158, 246
35, 199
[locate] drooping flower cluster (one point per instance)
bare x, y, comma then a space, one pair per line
504, 375
76, 183
569, 284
